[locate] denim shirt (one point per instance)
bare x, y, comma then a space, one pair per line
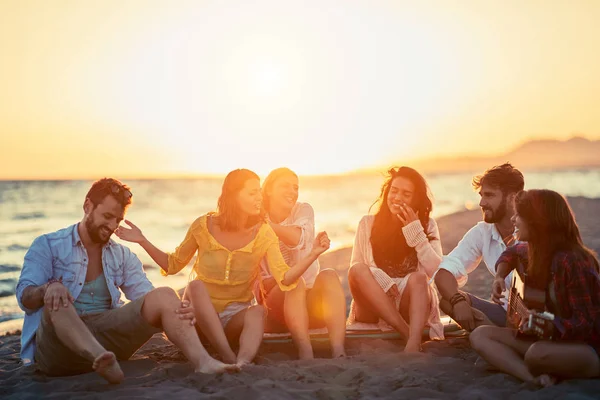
61, 255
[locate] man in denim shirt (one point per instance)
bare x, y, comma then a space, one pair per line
70, 289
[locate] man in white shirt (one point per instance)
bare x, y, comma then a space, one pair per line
486, 240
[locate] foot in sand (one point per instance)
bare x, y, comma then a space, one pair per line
213, 366
338, 352
413, 347
544, 381
242, 363
305, 353
106, 366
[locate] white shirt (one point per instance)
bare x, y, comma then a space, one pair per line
481, 241
302, 216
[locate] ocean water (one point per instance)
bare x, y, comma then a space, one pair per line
164, 209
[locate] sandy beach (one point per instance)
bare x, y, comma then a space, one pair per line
375, 368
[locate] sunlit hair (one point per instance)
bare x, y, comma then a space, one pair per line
551, 228
110, 187
270, 181
504, 177
387, 240
227, 205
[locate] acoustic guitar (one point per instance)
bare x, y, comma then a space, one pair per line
521, 300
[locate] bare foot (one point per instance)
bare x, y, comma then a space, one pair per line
305, 353
213, 366
106, 366
338, 352
544, 380
413, 347
242, 363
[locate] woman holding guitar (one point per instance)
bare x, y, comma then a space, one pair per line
562, 341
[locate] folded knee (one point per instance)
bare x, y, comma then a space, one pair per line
418, 278
478, 337
358, 272
536, 356
256, 311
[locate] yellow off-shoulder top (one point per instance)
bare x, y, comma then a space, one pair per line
229, 276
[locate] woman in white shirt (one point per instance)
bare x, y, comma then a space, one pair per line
396, 253
323, 303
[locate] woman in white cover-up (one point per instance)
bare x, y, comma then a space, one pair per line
395, 256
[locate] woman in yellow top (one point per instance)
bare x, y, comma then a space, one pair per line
230, 245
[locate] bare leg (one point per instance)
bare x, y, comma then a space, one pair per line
248, 325
415, 300
208, 320
296, 319
368, 295
159, 310
565, 360
274, 305
73, 333
327, 306
499, 347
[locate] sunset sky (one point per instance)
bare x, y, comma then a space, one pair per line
155, 88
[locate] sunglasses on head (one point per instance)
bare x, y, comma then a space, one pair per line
117, 189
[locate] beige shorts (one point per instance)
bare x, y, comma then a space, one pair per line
121, 330
232, 309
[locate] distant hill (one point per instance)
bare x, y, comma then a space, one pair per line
576, 152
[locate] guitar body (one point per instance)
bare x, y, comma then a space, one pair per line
523, 298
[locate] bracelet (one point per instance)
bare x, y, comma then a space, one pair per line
53, 280
457, 298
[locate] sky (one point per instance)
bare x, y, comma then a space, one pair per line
159, 88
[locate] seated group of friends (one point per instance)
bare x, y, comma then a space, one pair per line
256, 268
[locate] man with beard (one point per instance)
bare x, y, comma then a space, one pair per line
70, 289
486, 240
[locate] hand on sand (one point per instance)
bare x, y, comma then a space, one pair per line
321, 243
213, 366
407, 214
134, 234
56, 294
106, 366
186, 311
498, 286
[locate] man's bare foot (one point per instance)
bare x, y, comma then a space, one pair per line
106, 366
212, 366
544, 380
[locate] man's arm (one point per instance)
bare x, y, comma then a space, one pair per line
36, 272
136, 283
456, 266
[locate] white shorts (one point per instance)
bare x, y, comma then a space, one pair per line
232, 309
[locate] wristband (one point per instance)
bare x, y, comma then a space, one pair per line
457, 298
53, 280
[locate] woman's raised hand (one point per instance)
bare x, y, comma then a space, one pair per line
407, 214
133, 234
321, 243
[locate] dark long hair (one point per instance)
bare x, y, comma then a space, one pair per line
387, 240
227, 206
551, 228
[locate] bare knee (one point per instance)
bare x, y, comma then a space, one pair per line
479, 337
196, 286
255, 312
418, 279
162, 297
328, 278
300, 288
358, 272
537, 356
